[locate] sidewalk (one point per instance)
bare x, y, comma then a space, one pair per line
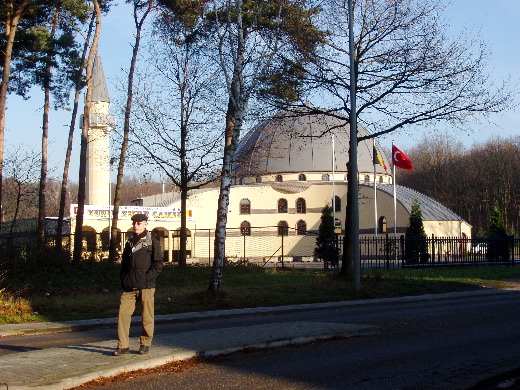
70, 366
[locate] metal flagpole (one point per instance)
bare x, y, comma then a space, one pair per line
374, 159
395, 201
333, 189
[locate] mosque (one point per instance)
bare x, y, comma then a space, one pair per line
288, 167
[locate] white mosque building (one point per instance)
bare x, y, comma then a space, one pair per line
287, 169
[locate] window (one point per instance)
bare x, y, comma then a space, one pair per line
245, 206
283, 228
241, 181
301, 228
382, 225
302, 177
259, 179
301, 207
381, 181
282, 205
325, 177
245, 228
279, 178
367, 179
345, 177
337, 204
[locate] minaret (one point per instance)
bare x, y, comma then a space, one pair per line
98, 149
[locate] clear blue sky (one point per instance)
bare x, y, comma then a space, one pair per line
496, 22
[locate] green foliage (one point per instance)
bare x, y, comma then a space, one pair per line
498, 243
416, 246
326, 248
497, 228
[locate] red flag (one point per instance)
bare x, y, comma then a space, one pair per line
399, 159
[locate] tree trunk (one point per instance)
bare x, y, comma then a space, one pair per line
78, 234
234, 116
11, 24
42, 192
65, 178
233, 127
126, 128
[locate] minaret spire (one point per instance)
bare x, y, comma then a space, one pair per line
98, 149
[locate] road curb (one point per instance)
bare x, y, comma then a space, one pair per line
69, 326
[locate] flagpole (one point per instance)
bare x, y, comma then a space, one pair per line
395, 201
333, 189
374, 157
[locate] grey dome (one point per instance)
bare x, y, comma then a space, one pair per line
301, 141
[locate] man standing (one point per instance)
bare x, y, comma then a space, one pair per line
140, 266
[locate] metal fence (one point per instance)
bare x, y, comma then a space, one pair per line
274, 246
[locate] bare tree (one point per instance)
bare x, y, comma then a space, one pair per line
13, 11
407, 72
21, 188
176, 117
142, 9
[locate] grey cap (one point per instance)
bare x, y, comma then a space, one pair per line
139, 217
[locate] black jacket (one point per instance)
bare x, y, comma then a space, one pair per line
141, 263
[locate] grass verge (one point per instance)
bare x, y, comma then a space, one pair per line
91, 290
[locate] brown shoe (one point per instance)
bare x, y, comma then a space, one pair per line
144, 349
121, 351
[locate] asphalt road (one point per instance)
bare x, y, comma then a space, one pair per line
439, 344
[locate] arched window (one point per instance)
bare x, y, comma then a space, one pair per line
367, 178
345, 177
245, 228
279, 178
301, 228
259, 179
240, 180
245, 206
325, 177
282, 205
382, 225
283, 228
337, 204
302, 177
301, 207
381, 180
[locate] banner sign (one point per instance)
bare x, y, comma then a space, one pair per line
126, 212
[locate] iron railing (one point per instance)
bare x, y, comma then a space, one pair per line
268, 245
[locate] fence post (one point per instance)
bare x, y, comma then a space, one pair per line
433, 248
401, 240
244, 253
283, 234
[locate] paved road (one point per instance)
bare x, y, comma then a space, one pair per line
447, 344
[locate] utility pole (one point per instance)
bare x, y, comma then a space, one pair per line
353, 194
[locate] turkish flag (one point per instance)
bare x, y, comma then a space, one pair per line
399, 159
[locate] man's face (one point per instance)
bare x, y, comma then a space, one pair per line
139, 226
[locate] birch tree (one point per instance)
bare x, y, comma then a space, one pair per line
250, 36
